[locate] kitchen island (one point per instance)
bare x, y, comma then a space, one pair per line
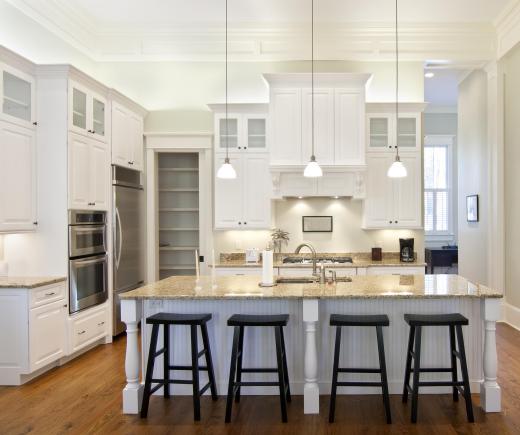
309, 338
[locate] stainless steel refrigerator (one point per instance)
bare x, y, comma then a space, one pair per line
129, 237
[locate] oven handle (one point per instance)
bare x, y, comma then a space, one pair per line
86, 261
120, 233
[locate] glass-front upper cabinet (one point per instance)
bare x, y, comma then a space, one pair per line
256, 131
407, 131
87, 112
18, 96
228, 132
379, 132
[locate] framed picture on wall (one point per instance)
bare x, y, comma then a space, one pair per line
472, 208
317, 224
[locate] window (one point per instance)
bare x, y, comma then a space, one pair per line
437, 187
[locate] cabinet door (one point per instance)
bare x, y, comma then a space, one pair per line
79, 121
121, 147
18, 96
17, 178
323, 125
286, 127
229, 132
378, 206
349, 137
228, 195
257, 191
79, 171
408, 193
98, 124
135, 130
99, 174
409, 131
380, 132
255, 132
47, 329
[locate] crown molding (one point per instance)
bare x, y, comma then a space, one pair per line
254, 42
508, 28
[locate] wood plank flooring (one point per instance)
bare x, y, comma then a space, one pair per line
84, 397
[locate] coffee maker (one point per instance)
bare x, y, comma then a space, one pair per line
406, 252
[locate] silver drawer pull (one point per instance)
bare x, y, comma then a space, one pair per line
82, 332
50, 294
101, 324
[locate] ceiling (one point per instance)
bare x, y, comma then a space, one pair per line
442, 89
265, 30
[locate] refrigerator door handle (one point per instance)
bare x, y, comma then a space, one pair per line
120, 234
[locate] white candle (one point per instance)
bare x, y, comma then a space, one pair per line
267, 268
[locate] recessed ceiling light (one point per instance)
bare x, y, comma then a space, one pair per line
429, 75
336, 197
300, 197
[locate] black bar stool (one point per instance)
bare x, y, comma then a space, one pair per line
454, 322
240, 321
378, 321
192, 320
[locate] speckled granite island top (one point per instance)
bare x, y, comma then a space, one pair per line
29, 281
379, 286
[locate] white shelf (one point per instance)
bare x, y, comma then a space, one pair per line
177, 267
178, 248
181, 189
178, 229
177, 209
15, 101
178, 169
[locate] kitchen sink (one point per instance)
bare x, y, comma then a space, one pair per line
307, 279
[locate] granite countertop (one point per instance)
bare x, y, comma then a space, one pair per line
388, 262
29, 281
361, 287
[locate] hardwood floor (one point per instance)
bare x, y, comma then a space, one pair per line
84, 396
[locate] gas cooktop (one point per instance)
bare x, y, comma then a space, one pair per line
328, 260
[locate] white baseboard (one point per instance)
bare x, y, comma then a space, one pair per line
511, 315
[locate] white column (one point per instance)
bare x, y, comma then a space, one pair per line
133, 391
490, 395
311, 390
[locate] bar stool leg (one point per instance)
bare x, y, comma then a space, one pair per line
166, 359
465, 377
281, 375
209, 361
195, 373
334, 386
149, 371
286, 371
453, 362
408, 369
382, 367
416, 373
232, 372
239, 363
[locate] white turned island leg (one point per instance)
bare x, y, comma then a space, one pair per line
133, 391
490, 396
311, 390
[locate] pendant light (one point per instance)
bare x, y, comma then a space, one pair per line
312, 170
226, 171
397, 169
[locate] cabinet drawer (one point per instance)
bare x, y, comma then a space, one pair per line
396, 270
47, 294
88, 328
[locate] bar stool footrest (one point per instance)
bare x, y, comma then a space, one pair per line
260, 370
359, 384
358, 370
187, 368
440, 384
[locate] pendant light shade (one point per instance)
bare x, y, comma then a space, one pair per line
312, 170
226, 171
397, 169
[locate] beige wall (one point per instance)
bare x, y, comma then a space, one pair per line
511, 179
473, 175
347, 235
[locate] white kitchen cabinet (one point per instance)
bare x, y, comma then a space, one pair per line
87, 327
127, 137
285, 114
393, 203
18, 96
323, 125
349, 127
89, 173
18, 188
244, 202
87, 112
32, 330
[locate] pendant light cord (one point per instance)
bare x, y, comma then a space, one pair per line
227, 120
396, 82
312, 79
